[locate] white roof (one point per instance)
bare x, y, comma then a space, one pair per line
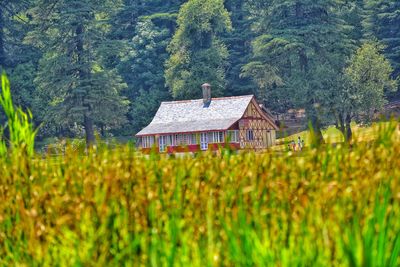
194, 116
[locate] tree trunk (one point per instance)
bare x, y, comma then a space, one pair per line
316, 133
349, 133
303, 60
2, 50
341, 126
83, 75
89, 131
103, 130
344, 126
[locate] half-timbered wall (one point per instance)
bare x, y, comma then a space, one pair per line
255, 131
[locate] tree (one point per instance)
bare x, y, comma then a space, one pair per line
2, 50
197, 53
13, 27
143, 29
72, 77
267, 77
238, 42
383, 22
18, 59
298, 40
145, 62
364, 82
124, 22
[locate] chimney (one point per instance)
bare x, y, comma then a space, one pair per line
206, 94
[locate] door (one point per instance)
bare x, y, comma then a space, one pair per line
203, 141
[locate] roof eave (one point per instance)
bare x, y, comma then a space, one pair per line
270, 120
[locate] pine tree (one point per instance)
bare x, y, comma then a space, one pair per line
18, 59
197, 53
383, 22
143, 29
299, 41
13, 26
2, 49
124, 22
238, 42
145, 62
72, 76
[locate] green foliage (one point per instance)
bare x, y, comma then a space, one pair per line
74, 82
365, 247
360, 89
297, 42
145, 62
19, 126
238, 42
369, 74
197, 53
125, 21
18, 59
382, 21
144, 29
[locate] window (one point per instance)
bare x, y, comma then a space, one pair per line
221, 137
188, 139
216, 137
183, 139
170, 140
179, 139
249, 135
147, 141
176, 139
210, 137
233, 136
203, 141
193, 140
162, 142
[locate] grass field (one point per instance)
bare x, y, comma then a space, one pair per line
333, 206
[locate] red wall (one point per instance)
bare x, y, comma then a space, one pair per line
193, 148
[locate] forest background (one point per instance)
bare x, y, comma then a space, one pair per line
87, 66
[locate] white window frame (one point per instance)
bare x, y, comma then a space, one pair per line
162, 143
147, 141
178, 139
216, 137
193, 139
186, 139
233, 136
204, 141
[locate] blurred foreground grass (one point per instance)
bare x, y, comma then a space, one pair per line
331, 207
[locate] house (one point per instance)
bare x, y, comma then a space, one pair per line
208, 123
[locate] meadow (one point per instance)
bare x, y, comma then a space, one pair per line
326, 206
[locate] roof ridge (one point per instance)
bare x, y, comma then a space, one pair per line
215, 98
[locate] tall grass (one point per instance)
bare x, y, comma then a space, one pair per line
19, 124
327, 207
